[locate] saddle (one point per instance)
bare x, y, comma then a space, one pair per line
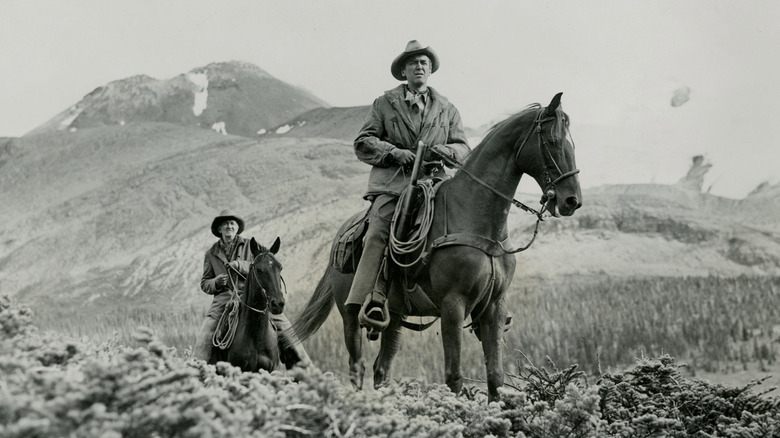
347, 246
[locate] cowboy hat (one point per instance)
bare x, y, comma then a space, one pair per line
223, 216
413, 47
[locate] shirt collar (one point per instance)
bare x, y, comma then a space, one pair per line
417, 99
227, 248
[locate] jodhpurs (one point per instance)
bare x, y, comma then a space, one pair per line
376, 239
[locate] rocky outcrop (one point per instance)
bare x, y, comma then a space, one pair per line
694, 179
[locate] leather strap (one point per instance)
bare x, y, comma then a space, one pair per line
490, 247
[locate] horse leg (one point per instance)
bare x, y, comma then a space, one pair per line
492, 325
452, 316
354, 343
389, 346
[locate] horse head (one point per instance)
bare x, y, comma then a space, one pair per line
264, 283
553, 164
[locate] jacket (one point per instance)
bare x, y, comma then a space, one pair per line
388, 125
216, 261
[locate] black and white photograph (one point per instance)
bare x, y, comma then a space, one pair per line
345, 218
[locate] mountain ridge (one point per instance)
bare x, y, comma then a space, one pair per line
231, 97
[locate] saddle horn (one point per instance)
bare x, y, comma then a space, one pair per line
554, 104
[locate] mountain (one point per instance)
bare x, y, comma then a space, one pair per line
337, 123
231, 97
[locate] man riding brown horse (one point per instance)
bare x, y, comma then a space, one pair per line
225, 268
399, 120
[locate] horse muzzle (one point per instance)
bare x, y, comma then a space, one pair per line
561, 206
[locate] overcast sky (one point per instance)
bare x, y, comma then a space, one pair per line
618, 64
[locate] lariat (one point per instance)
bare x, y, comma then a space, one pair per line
228, 321
418, 238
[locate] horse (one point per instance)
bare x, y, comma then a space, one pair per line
469, 266
254, 343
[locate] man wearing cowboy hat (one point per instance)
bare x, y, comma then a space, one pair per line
403, 116
232, 251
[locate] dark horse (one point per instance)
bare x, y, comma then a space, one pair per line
469, 265
254, 339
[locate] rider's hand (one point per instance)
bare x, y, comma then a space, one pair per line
234, 264
221, 281
437, 152
402, 156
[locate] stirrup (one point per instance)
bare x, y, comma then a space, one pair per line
375, 319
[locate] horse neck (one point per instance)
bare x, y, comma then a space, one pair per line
255, 321
482, 210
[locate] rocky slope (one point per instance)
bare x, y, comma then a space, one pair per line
123, 212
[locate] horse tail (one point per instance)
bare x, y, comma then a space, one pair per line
317, 309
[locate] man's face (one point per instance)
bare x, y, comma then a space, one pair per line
417, 70
228, 229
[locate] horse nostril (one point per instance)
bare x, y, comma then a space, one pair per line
572, 202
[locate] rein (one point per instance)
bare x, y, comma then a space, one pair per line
234, 288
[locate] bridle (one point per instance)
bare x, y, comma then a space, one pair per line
544, 150
549, 190
259, 285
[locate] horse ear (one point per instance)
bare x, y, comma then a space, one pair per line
275, 247
554, 104
254, 247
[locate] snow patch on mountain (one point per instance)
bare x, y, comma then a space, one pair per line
200, 80
70, 118
219, 127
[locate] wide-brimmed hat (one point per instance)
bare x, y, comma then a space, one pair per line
223, 216
413, 47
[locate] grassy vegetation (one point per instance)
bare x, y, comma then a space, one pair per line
598, 323
51, 385
609, 322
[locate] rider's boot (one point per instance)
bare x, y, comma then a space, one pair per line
374, 314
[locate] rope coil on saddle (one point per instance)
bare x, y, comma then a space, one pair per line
418, 238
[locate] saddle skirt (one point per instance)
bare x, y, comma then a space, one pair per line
347, 246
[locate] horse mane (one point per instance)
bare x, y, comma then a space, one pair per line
512, 119
514, 122
511, 123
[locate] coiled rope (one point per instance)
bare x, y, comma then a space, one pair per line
418, 238
228, 321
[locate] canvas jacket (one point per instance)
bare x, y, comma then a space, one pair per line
388, 125
215, 263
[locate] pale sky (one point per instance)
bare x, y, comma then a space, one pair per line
617, 63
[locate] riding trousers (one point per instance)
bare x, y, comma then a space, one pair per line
377, 236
